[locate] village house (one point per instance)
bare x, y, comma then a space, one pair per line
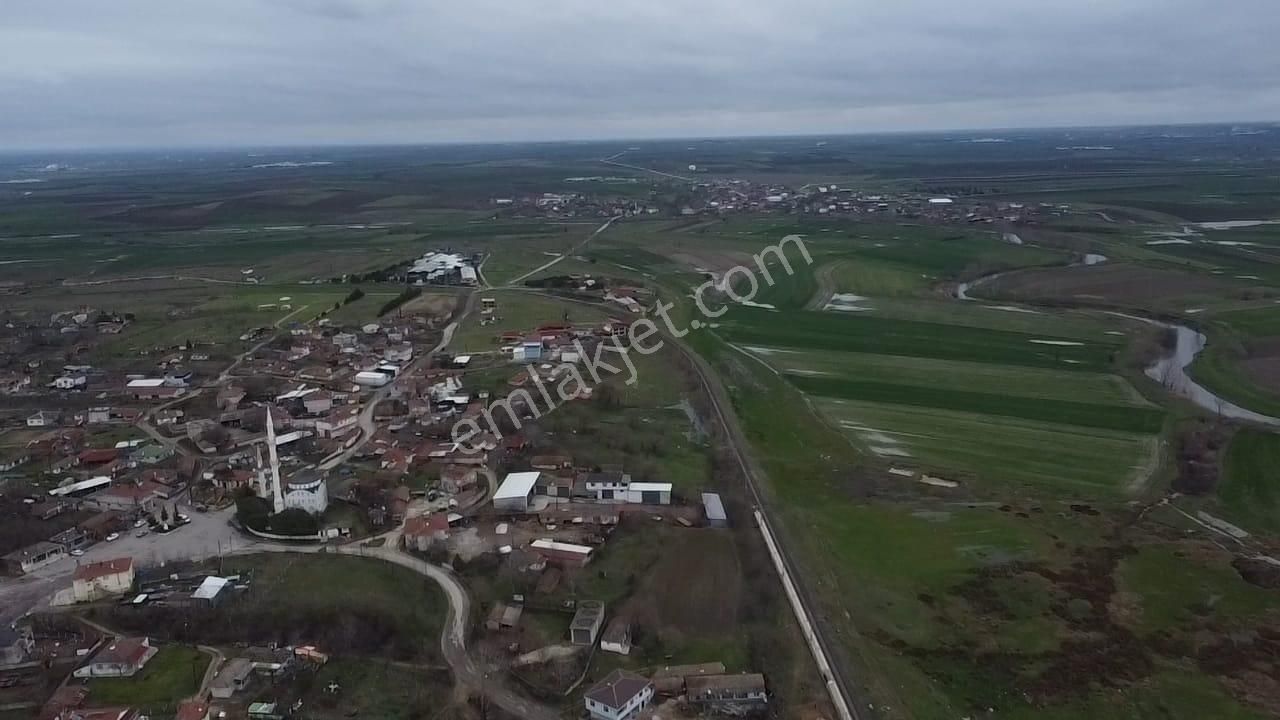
560, 553
152, 389
421, 532
44, 418
122, 657
94, 581
620, 696
20, 562
130, 496
70, 382
617, 637
338, 422
726, 693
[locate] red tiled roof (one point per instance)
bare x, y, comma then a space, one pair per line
127, 651
426, 525
92, 571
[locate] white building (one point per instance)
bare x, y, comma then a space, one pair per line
69, 382
617, 487
307, 490
338, 422
370, 378
621, 695
516, 491
94, 581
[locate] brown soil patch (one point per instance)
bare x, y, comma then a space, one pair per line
433, 304
716, 262
692, 592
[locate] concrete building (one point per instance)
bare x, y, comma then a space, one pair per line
564, 554
37, 555
586, 623
421, 532
340, 421
144, 496
734, 694
44, 418
616, 487
307, 490
231, 678
516, 492
713, 509
94, 581
617, 637
122, 657
620, 696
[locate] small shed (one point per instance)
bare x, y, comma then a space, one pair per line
714, 511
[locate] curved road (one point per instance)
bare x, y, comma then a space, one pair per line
453, 640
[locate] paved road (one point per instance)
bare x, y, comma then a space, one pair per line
571, 251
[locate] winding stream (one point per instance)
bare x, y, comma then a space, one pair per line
1170, 370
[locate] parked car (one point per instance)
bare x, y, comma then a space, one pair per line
139, 523
201, 507
77, 552
113, 536
142, 532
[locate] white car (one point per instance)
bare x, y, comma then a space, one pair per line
113, 536
77, 552
139, 523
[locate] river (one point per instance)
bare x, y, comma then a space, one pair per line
1170, 370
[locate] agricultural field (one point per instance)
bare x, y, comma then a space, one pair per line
519, 311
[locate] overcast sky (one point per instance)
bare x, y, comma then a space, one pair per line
253, 72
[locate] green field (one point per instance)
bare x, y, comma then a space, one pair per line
1250, 487
1068, 460
171, 676
1014, 381
866, 333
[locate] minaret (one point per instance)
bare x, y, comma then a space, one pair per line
277, 489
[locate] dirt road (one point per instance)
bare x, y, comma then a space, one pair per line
565, 254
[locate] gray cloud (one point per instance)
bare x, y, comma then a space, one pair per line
144, 72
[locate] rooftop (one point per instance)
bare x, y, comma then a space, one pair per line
517, 485
92, 571
618, 688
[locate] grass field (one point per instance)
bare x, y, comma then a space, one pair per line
913, 338
1020, 382
376, 689
295, 598
172, 675
1068, 460
1250, 487
519, 311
